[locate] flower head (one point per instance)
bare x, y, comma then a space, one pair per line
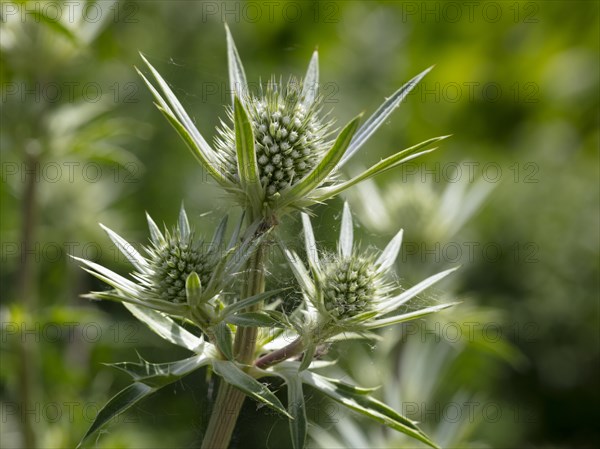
276, 155
179, 274
289, 136
351, 290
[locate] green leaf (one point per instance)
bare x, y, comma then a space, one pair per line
155, 234
167, 307
327, 164
40, 15
217, 240
310, 244
346, 233
246, 156
183, 224
407, 316
119, 403
193, 289
247, 384
393, 303
244, 303
254, 319
380, 116
224, 339
310, 84
382, 166
296, 408
300, 272
237, 76
388, 257
149, 378
166, 328
126, 249
179, 119
366, 405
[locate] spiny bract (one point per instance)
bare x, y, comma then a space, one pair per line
290, 138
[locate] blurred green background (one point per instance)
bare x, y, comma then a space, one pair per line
513, 196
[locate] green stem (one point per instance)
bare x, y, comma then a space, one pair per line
229, 399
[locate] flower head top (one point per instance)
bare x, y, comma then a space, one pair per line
277, 156
350, 290
289, 136
180, 274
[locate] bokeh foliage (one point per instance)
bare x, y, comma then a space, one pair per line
516, 83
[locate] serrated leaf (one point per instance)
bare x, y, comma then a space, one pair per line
247, 384
149, 378
119, 403
365, 405
380, 116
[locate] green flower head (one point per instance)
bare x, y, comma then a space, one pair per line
350, 290
179, 273
275, 155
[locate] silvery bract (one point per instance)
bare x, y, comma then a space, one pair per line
277, 155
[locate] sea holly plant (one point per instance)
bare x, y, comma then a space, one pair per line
275, 154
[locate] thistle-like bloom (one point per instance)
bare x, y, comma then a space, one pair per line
179, 274
276, 156
351, 290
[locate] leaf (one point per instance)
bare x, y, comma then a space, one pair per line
254, 319
224, 339
380, 116
149, 378
297, 409
364, 404
166, 328
246, 156
237, 75
123, 400
247, 384
155, 234
193, 289
126, 249
310, 84
179, 119
382, 166
244, 303
300, 272
407, 316
217, 240
396, 301
327, 164
183, 224
387, 258
310, 244
110, 277
346, 233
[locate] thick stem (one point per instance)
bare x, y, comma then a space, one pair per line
229, 399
